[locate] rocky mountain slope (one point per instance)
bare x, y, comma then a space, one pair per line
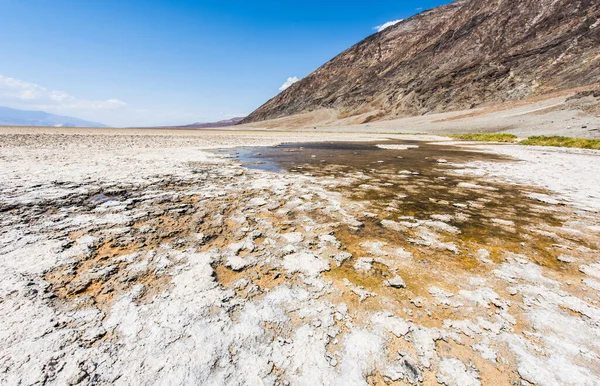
462, 55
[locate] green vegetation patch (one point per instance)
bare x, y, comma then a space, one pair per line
498, 137
581, 143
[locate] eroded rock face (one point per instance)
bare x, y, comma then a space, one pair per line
457, 56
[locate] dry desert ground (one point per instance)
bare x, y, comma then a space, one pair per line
140, 257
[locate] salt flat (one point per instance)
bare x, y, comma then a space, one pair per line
138, 257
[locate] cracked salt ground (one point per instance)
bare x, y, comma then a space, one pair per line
216, 274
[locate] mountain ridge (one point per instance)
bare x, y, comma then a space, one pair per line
210, 125
465, 54
17, 117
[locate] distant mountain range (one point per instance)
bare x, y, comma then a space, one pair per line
211, 125
462, 55
14, 117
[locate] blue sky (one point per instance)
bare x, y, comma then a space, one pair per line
159, 62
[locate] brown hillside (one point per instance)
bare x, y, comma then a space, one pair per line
462, 55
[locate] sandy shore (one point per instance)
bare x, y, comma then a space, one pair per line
140, 257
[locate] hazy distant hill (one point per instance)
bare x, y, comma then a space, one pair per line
458, 56
210, 125
14, 117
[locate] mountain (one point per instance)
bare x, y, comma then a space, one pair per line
462, 55
14, 117
211, 125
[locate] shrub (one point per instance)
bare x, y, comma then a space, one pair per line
498, 137
581, 143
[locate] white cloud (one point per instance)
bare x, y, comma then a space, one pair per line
19, 94
24, 95
289, 82
380, 28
